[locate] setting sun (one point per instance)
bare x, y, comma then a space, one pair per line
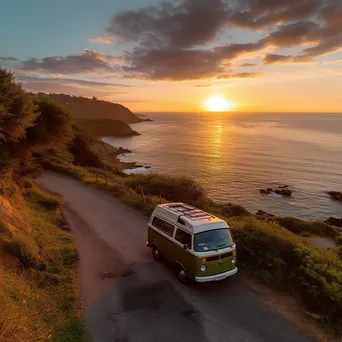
218, 104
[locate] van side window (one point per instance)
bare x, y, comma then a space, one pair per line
163, 226
183, 237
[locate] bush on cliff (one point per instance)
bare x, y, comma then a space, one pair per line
174, 189
286, 262
298, 226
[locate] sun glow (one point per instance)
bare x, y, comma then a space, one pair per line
218, 104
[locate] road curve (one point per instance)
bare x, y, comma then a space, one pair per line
129, 297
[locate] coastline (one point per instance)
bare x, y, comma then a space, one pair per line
111, 154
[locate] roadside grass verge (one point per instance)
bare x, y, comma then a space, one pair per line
38, 291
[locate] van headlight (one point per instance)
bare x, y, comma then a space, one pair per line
203, 268
234, 260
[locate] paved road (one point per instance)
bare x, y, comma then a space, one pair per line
129, 297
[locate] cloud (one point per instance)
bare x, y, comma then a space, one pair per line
169, 40
71, 86
102, 40
180, 24
233, 51
286, 59
87, 62
168, 37
247, 65
261, 14
8, 59
294, 34
69, 81
173, 64
239, 75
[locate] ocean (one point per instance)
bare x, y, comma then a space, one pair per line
233, 155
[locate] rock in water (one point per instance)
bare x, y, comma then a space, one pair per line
337, 196
334, 222
281, 192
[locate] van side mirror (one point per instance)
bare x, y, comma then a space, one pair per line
186, 247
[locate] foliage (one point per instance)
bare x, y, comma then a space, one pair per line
176, 189
80, 147
298, 226
286, 262
339, 252
17, 110
52, 127
234, 210
25, 249
339, 240
17, 113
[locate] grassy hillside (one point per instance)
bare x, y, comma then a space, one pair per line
85, 108
105, 127
38, 294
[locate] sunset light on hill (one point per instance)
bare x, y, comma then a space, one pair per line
218, 104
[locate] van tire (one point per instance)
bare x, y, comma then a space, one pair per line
181, 274
156, 254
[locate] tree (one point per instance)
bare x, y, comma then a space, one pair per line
80, 147
52, 127
17, 110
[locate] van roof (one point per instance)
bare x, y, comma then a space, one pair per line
188, 217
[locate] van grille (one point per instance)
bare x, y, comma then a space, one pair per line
217, 257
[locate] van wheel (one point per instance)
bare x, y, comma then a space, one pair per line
181, 274
156, 254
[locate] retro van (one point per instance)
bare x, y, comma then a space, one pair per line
199, 244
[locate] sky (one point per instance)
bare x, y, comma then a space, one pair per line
149, 55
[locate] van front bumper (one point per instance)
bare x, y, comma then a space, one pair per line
217, 277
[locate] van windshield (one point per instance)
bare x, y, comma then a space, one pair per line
213, 240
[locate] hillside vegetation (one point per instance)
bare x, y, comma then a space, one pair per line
85, 108
105, 127
38, 292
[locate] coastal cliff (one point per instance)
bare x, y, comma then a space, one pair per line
86, 108
105, 127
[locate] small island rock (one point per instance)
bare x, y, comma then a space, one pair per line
337, 196
334, 222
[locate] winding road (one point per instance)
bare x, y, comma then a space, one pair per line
128, 297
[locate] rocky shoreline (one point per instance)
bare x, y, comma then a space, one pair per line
282, 190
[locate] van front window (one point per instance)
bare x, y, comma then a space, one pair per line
213, 240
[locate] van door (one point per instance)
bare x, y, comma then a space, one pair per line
184, 256
163, 237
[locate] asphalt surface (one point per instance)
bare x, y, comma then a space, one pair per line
129, 297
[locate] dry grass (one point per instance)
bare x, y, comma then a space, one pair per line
38, 295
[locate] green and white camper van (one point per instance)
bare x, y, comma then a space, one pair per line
199, 244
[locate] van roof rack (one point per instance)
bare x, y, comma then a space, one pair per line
189, 212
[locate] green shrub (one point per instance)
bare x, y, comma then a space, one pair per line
42, 198
339, 252
81, 148
284, 261
339, 240
297, 226
25, 249
174, 189
233, 210
304, 234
